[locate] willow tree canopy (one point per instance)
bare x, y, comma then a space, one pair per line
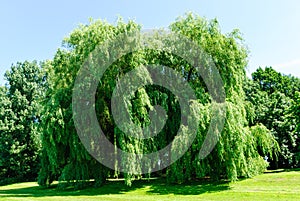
239, 150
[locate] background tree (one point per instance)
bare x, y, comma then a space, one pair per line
19, 116
295, 115
272, 95
6, 127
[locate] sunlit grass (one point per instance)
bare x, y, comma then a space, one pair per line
270, 186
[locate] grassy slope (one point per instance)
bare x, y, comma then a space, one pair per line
270, 186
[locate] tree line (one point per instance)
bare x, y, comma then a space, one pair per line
39, 141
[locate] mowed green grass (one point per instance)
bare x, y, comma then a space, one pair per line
269, 186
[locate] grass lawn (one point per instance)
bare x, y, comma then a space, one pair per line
283, 185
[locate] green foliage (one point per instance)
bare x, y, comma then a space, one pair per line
237, 152
6, 126
19, 119
295, 114
296, 110
272, 95
64, 157
271, 81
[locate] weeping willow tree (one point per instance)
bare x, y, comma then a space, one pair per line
238, 152
239, 149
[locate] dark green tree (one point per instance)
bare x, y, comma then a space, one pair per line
271, 95
19, 119
6, 127
295, 115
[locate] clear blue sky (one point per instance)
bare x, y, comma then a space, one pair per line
33, 30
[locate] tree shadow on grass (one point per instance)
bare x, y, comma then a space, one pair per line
115, 187
282, 170
191, 188
293, 169
158, 186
